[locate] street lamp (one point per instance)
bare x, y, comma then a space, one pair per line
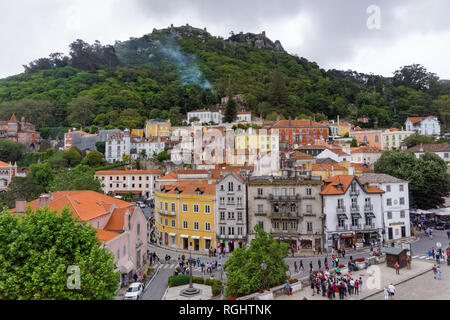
264, 268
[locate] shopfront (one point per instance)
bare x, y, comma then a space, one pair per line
347, 240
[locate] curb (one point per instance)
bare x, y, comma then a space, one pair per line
157, 270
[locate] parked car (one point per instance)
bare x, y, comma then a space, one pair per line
442, 225
141, 204
134, 291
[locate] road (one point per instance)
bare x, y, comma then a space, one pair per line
157, 287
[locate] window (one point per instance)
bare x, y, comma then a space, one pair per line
309, 208
231, 231
376, 138
402, 200
239, 187
260, 208
222, 201
173, 207
340, 203
222, 230
276, 225
239, 201
230, 187
308, 191
222, 215
261, 224
293, 225
124, 250
401, 188
260, 191
240, 231
207, 226
166, 205
185, 207
185, 224
173, 223
402, 214
221, 187
138, 229
166, 222
309, 226
195, 225
230, 215
388, 188
389, 202
285, 226
195, 208
207, 208
239, 216
389, 215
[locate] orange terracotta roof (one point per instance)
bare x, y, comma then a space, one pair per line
170, 176
190, 187
4, 164
339, 185
419, 119
121, 172
106, 236
394, 129
360, 166
117, 219
85, 205
365, 149
13, 118
190, 171
302, 156
296, 123
327, 166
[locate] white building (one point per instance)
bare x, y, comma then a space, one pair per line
395, 204
204, 115
366, 155
244, 116
138, 182
231, 206
7, 172
335, 154
428, 126
147, 147
353, 211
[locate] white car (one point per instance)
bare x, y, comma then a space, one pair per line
141, 204
134, 291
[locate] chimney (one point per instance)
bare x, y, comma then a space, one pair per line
44, 200
421, 147
332, 171
21, 205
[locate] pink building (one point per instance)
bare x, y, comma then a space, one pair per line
121, 226
370, 136
22, 132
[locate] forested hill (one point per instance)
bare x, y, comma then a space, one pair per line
172, 71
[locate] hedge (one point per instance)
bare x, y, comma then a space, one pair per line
178, 280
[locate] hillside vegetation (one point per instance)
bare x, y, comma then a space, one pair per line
172, 71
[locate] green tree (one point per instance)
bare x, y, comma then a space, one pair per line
93, 159
417, 139
41, 174
73, 156
230, 111
38, 248
244, 273
162, 156
21, 188
11, 151
94, 129
81, 110
428, 180
100, 146
79, 178
354, 143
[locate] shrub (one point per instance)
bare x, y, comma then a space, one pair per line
341, 266
217, 288
360, 259
150, 268
293, 280
198, 280
178, 280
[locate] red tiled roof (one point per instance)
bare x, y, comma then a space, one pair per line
296, 123
106, 236
419, 119
170, 176
122, 172
190, 187
327, 166
331, 186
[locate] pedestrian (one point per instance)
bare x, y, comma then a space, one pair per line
448, 234
215, 252
314, 250
397, 267
320, 264
343, 253
433, 252
356, 287
295, 266
439, 272
198, 262
326, 265
203, 266
182, 257
434, 271
301, 265
386, 293
310, 266
391, 289
135, 277
360, 284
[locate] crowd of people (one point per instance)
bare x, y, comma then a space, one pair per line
337, 285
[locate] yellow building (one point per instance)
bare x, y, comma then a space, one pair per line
344, 127
157, 128
358, 168
184, 215
328, 170
137, 132
393, 138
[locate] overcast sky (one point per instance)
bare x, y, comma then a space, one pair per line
344, 34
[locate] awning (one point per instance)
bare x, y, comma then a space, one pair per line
127, 267
356, 215
183, 236
207, 238
342, 216
195, 237
346, 235
370, 215
172, 234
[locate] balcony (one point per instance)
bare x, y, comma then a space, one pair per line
368, 207
284, 198
341, 209
260, 213
356, 227
286, 215
369, 226
167, 213
354, 193
342, 228
309, 214
354, 208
